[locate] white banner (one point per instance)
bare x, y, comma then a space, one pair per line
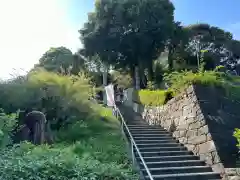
110, 95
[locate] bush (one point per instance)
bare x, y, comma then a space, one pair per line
7, 124
181, 80
152, 98
236, 134
59, 96
178, 81
57, 164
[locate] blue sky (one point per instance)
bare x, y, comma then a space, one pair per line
29, 28
221, 13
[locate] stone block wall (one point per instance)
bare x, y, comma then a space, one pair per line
202, 119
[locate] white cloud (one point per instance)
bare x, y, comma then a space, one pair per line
28, 28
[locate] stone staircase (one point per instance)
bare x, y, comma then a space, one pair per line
164, 156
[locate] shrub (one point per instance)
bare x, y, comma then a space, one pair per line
7, 124
178, 81
236, 134
60, 96
181, 80
57, 164
152, 98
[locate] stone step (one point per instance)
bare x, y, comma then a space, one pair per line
165, 157
141, 126
137, 123
150, 134
165, 153
187, 176
154, 149
162, 140
167, 144
151, 137
168, 158
177, 170
151, 131
179, 163
146, 127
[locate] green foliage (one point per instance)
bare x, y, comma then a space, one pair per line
150, 85
186, 42
158, 73
178, 81
181, 80
123, 79
60, 96
152, 98
58, 59
236, 134
127, 33
84, 149
7, 123
91, 149
88, 143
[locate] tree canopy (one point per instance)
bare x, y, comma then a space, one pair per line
128, 33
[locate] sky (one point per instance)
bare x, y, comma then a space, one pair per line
30, 27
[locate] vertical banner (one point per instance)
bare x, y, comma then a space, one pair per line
110, 95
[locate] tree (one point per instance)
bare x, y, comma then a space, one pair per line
211, 39
127, 33
78, 64
187, 44
123, 79
58, 59
176, 43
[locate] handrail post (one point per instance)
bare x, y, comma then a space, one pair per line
115, 109
122, 127
132, 148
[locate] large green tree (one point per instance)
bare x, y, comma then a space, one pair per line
58, 59
128, 33
187, 44
176, 43
209, 38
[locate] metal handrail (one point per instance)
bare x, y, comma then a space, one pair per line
133, 143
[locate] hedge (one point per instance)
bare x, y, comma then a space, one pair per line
152, 98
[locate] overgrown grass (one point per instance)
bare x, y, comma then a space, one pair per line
88, 144
91, 150
179, 81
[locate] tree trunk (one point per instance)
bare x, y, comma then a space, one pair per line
170, 59
105, 73
132, 73
150, 73
137, 78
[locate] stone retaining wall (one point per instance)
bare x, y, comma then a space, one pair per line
202, 119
